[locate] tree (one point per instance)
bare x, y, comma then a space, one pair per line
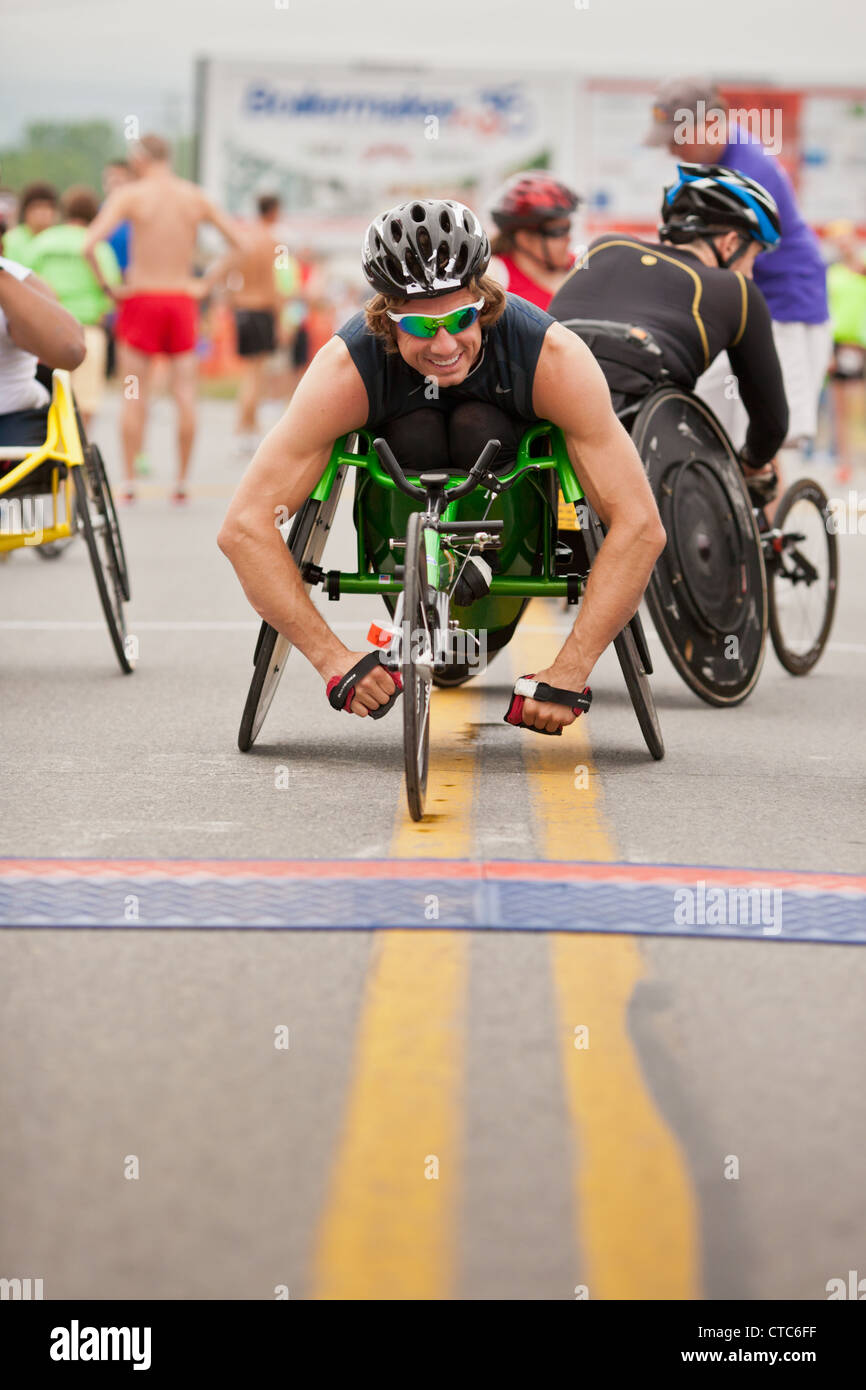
65, 152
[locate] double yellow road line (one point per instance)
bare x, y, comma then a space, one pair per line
389, 1229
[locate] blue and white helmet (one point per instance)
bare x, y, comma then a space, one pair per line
708, 198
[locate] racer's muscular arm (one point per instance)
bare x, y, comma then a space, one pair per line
330, 401
38, 324
759, 377
571, 391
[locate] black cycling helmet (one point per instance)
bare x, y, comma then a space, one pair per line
708, 198
424, 248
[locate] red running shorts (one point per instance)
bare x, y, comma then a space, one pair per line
158, 323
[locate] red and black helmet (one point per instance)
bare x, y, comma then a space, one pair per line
530, 199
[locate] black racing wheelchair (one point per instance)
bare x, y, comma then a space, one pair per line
727, 575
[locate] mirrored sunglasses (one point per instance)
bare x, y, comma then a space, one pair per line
425, 326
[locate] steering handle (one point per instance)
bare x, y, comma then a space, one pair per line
395, 472
477, 471
473, 478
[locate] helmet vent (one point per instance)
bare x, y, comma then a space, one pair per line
425, 245
418, 213
396, 230
414, 266
445, 220
462, 258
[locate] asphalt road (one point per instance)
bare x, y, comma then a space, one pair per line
706, 1144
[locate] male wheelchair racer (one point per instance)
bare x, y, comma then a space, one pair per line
53, 491
727, 574
415, 532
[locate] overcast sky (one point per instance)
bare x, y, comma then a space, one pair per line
80, 58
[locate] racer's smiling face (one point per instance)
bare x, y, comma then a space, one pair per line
448, 357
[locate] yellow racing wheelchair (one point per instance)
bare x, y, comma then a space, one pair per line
51, 492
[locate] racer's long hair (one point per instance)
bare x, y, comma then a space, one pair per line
383, 328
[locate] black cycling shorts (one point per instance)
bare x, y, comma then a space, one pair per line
255, 332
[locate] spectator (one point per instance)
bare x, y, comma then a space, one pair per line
160, 301
37, 209
694, 121
57, 255
249, 273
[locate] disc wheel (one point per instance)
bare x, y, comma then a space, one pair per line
95, 528
633, 656
306, 542
802, 574
417, 666
707, 595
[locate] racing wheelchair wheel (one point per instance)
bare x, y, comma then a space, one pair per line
801, 556
707, 595
306, 542
94, 525
419, 619
632, 653
107, 510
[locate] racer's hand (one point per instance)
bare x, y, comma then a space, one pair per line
762, 482
372, 690
537, 714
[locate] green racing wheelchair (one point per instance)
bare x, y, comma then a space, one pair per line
415, 535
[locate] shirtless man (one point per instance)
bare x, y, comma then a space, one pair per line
159, 300
249, 275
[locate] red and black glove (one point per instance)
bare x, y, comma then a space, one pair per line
528, 688
341, 689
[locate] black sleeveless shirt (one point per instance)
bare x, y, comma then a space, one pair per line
503, 373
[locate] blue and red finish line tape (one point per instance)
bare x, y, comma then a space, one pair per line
646, 899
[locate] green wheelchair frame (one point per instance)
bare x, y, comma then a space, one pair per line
432, 518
